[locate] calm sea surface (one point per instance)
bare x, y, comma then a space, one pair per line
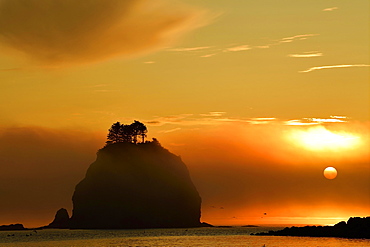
210, 237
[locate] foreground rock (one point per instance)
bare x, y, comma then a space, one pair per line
354, 228
136, 186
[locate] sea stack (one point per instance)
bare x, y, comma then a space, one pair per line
136, 186
61, 220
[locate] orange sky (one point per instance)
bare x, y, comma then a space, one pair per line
241, 170
257, 97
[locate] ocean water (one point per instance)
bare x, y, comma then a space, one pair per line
202, 237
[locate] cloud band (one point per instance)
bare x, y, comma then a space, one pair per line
334, 67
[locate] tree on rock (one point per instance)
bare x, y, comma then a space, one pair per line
126, 133
115, 133
138, 129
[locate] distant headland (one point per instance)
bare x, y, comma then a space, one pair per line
12, 227
355, 227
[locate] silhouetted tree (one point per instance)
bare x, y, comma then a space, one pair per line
126, 133
143, 133
115, 133
138, 129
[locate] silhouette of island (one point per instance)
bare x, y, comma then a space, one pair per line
12, 227
133, 184
356, 227
61, 220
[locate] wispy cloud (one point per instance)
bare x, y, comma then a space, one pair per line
253, 121
296, 37
214, 114
190, 48
339, 117
327, 120
173, 119
306, 55
317, 121
211, 118
218, 118
298, 122
263, 46
238, 48
330, 9
149, 62
334, 67
210, 51
209, 55
265, 120
170, 130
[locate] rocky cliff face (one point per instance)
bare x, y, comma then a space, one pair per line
136, 186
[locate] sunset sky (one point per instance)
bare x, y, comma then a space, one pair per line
257, 97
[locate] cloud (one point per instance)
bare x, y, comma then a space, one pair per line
317, 121
306, 55
214, 114
330, 9
299, 122
190, 48
173, 119
211, 118
169, 131
262, 120
296, 37
239, 48
197, 50
218, 118
210, 51
339, 117
334, 67
208, 55
263, 46
279, 42
65, 32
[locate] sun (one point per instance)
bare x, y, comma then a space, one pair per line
321, 139
330, 172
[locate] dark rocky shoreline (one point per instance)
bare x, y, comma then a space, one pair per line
355, 227
12, 227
